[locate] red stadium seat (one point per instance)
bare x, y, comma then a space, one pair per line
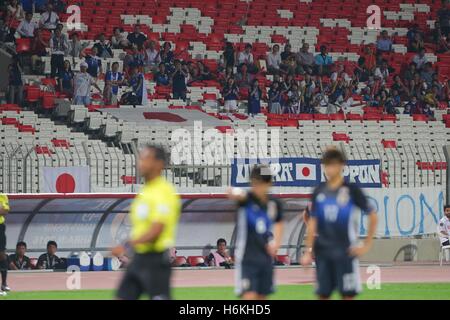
179, 261
340, 137
196, 261
284, 259
389, 143
23, 45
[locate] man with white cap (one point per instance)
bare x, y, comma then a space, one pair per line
82, 86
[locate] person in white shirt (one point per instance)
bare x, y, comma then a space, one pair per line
82, 86
420, 59
246, 57
49, 19
382, 72
58, 46
152, 57
274, 60
444, 227
27, 27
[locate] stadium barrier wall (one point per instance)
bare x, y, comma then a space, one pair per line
96, 222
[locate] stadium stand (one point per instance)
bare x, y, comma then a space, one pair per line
46, 129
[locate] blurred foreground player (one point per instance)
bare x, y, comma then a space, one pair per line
259, 232
154, 217
4, 209
332, 231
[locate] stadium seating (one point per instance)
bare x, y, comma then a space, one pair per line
410, 148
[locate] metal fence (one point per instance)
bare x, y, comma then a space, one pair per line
113, 167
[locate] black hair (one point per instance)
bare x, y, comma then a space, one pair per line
333, 156
221, 240
21, 244
159, 152
447, 206
261, 173
52, 243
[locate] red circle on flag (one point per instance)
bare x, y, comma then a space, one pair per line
65, 183
306, 172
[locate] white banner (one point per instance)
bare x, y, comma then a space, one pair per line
65, 180
406, 212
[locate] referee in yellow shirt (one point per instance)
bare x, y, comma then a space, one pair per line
4, 209
154, 216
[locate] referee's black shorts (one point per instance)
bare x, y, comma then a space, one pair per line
2, 237
149, 274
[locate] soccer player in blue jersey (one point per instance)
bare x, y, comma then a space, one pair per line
332, 230
258, 237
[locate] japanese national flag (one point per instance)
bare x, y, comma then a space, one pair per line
305, 171
65, 180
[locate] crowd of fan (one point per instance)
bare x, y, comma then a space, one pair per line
302, 82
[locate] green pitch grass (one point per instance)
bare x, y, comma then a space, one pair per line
391, 291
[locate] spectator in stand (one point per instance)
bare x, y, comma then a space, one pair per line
103, 47
416, 43
254, 98
15, 82
136, 37
436, 33
305, 60
50, 260
167, 56
446, 93
420, 59
294, 99
137, 57
246, 57
243, 78
82, 86
229, 56
443, 15
288, 63
10, 37
65, 80
412, 31
323, 62
179, 77
14, 12
444, 45
58, 5
341, 74
220, 258
118, 39
58, 47
94, 63
274, 60
427, 73
18, 260
431, 98
275, 98
307, 88
152, 57
3, 30
382, 72
49, 19
27, 27
27, 5
410, 72
203, 72
384, 43
113, 79
137, 83
39, 5
76, 47
161, 77
400, 87
38, 50
230, 95
361, 72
